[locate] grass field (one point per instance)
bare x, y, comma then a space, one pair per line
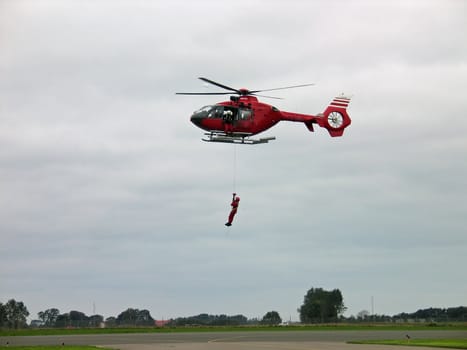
331, 327
436, 343
66, 347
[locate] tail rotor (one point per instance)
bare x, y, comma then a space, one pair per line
335, 118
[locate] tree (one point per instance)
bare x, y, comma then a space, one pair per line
271, 318
144, 318
320, 305
96, 320
457, 313
110, 321
127, 317
15, 313
337, 302
363, 315
78, 319
135, 317
237, 320
3, 319
49, 317
63, 320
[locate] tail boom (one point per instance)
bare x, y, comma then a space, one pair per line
334, 119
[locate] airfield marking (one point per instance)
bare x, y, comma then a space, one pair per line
226, 339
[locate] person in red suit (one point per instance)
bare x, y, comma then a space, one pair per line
234, 205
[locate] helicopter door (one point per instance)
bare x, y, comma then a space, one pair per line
244, 120
244, 114
229, 114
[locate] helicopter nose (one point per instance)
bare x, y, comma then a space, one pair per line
195, 119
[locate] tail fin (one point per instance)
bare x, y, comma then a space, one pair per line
335, 118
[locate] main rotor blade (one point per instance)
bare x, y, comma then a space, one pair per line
282, 88
277, 98
219, 85
203, 93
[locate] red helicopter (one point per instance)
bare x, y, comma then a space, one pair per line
235, 121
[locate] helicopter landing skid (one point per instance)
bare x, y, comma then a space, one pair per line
241, 138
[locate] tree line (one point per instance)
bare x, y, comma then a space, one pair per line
76, 319
436, 314
13, 314
319, 306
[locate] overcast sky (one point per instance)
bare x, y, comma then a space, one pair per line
109, 199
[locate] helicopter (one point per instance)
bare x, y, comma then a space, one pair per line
237, 120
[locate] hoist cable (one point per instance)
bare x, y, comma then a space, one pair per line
234, 175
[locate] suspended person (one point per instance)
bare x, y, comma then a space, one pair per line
234, 205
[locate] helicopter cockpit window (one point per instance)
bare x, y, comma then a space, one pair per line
216, 112
209, 112
244, 114
203, 112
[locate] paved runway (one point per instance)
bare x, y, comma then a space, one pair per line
280, 340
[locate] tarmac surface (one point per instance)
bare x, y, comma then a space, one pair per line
280, 340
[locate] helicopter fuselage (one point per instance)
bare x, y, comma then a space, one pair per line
243, 115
